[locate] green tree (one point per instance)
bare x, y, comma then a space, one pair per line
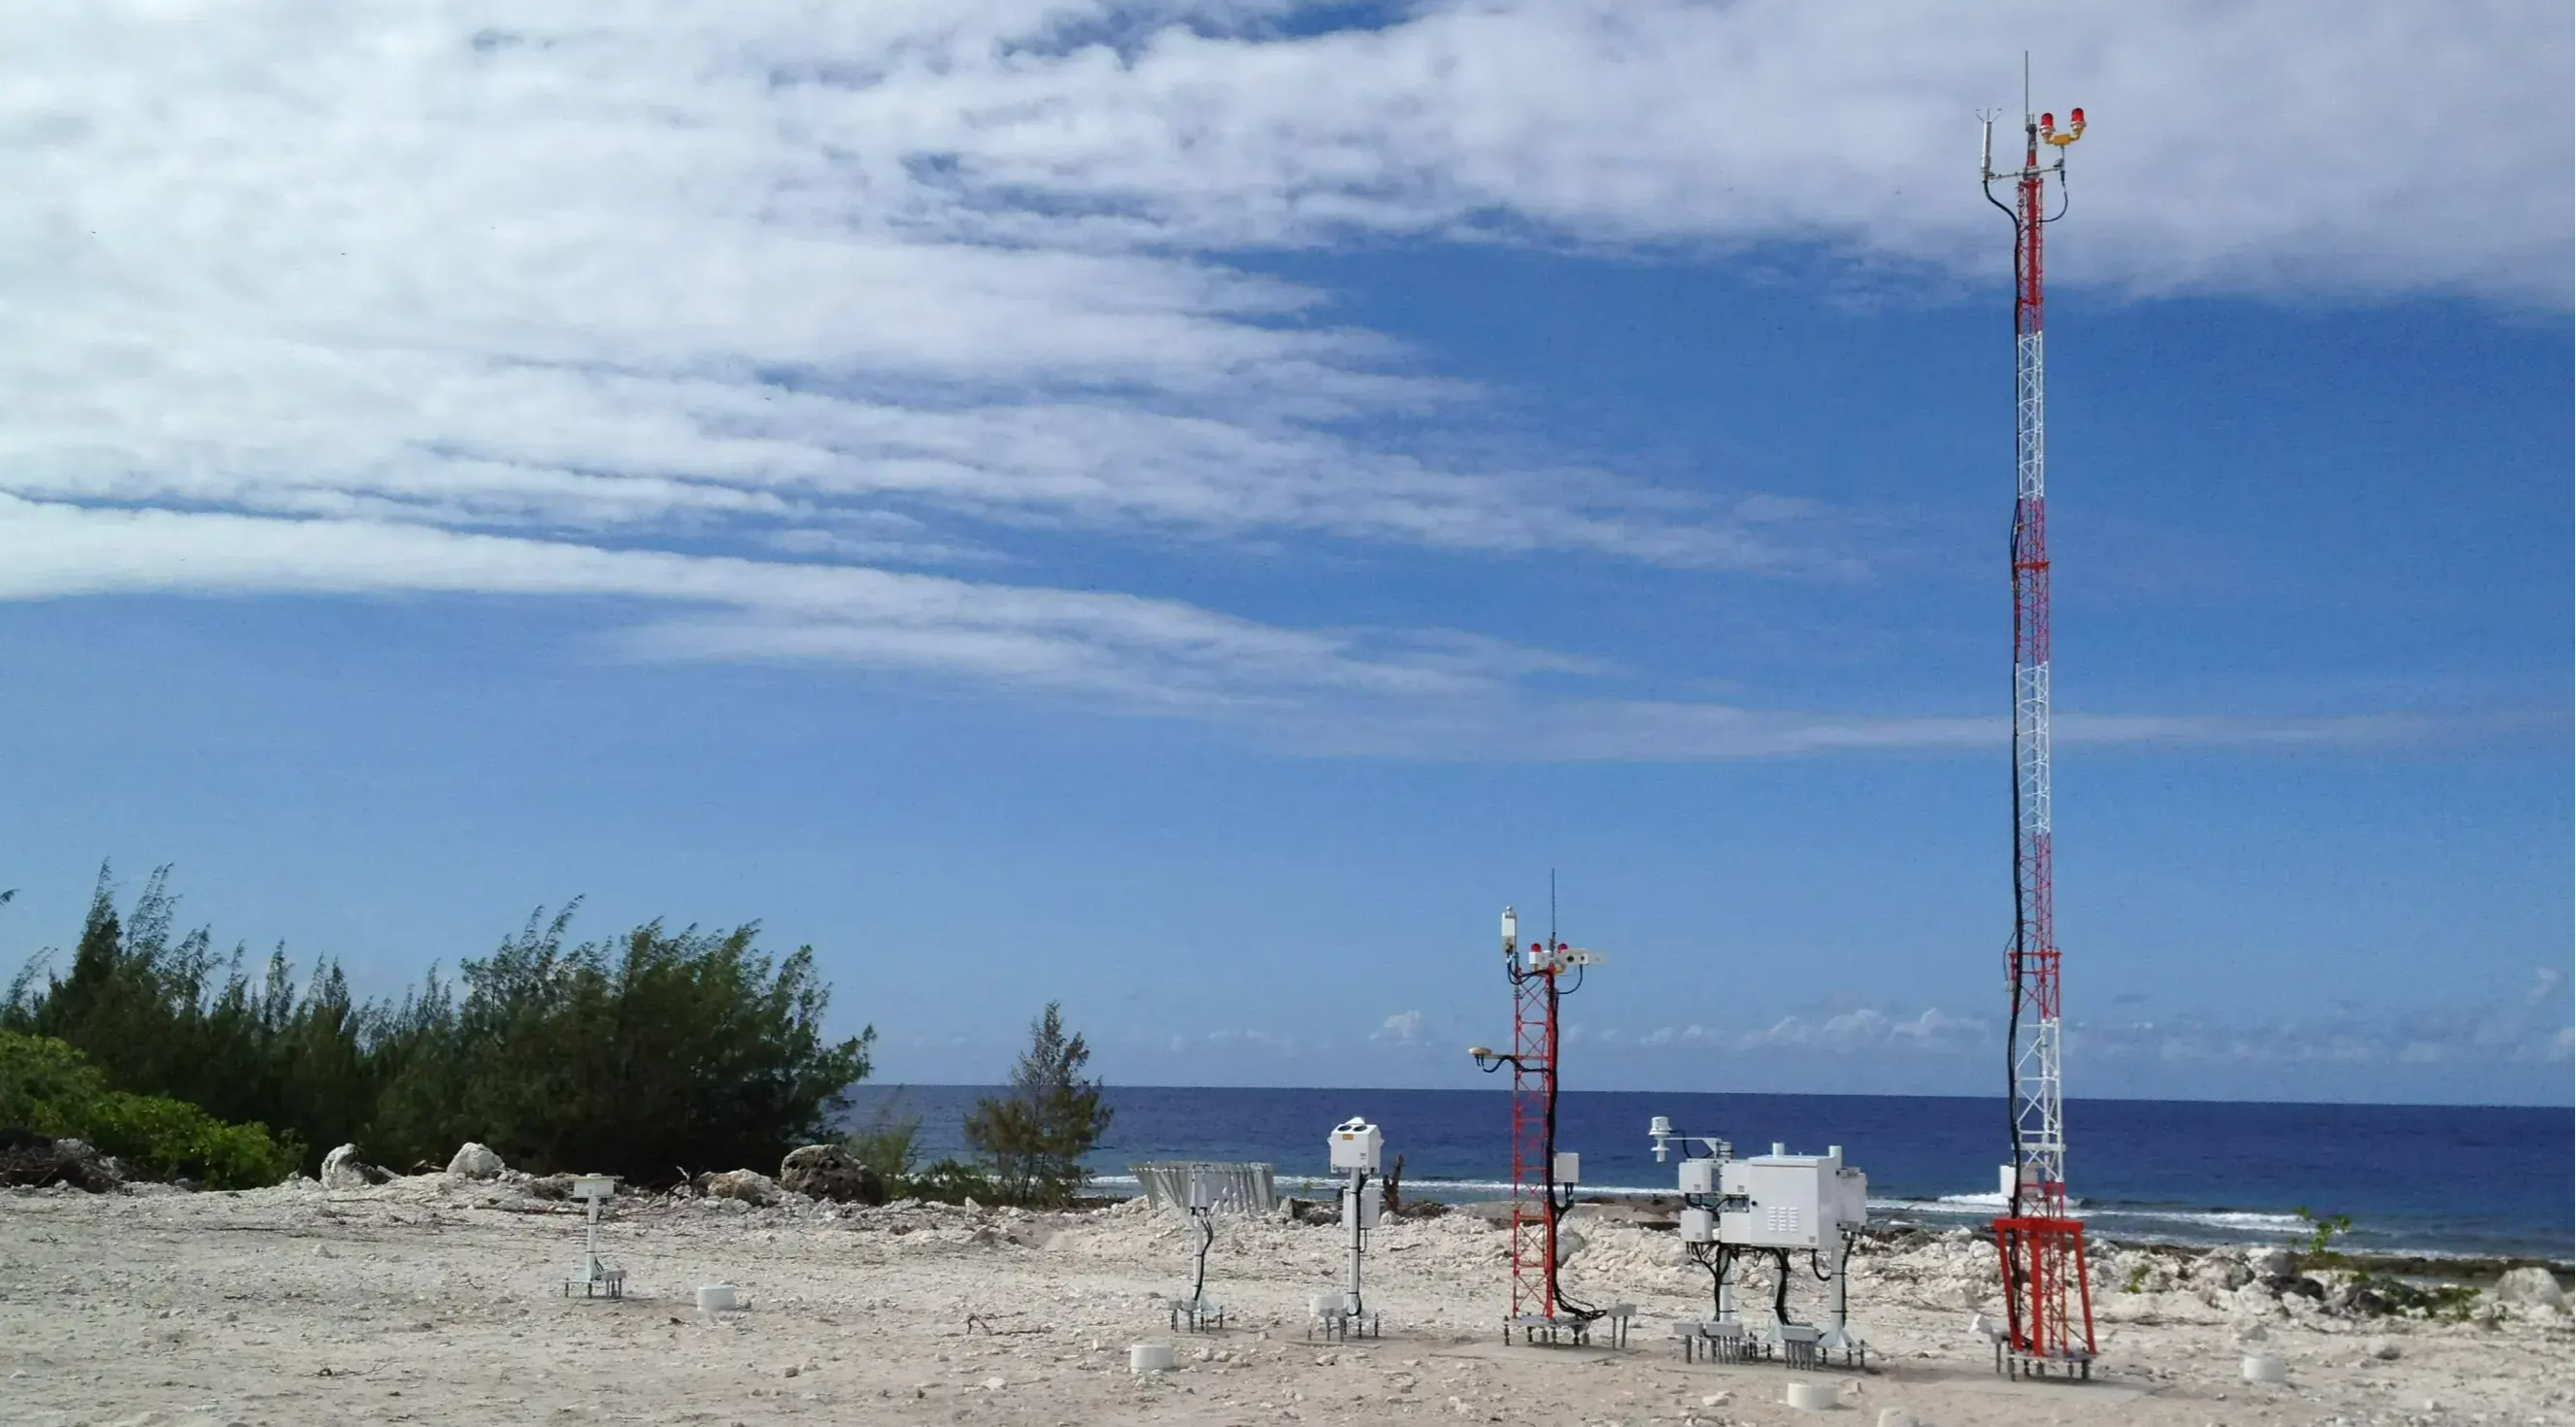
659, 1052
1034, 1138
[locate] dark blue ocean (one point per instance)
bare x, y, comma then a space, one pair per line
2444, 1180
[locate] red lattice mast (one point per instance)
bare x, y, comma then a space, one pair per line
2048, 1305
1541, 974
1533, 1202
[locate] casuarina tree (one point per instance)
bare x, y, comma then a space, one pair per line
1035, 1135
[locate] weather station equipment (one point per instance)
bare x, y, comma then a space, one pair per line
595, 1278
1201, 1193
1542, 974
1202, 1190
2048, 1302
1356, 1148
1778, 1206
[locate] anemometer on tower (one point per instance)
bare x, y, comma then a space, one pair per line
1541, 1310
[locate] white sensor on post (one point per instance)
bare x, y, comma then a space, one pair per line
1357, 1144
1568, 1168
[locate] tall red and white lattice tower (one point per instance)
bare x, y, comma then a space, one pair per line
2048, 1304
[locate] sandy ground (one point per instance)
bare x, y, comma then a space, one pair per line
436, 1300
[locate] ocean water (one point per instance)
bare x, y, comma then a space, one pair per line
2436, 1180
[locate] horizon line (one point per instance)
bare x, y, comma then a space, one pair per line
2569, 1107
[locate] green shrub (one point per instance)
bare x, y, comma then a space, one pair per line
49, 1087
2315, 1243
888, 1143
45, 1084
949, 1182
2443, 1302
166, 1138
161, 1013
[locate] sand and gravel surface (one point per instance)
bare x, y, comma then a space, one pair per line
436, 1299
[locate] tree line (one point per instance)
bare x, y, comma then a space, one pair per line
647, 1055
651, 1055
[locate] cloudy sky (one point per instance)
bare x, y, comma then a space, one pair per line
1189, 508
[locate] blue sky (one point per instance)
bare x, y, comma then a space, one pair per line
1193, 530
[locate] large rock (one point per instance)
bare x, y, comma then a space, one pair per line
342, 1169
748, 1185
2137, 1272
2220, 1272
828, 1172
476, 1161
2268, 1261
2529, 1288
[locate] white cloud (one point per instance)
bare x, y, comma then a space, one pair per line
535, 299
1143, 651
2272, 147
530, 267
1404, 1028
1603, 730
2509, 1028
1271, 1043
1867, 1028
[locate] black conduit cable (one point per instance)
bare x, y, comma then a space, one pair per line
2021, 911
2021, 921
1547, 1142
1574, 1308
1207, 1240
1712, 1258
